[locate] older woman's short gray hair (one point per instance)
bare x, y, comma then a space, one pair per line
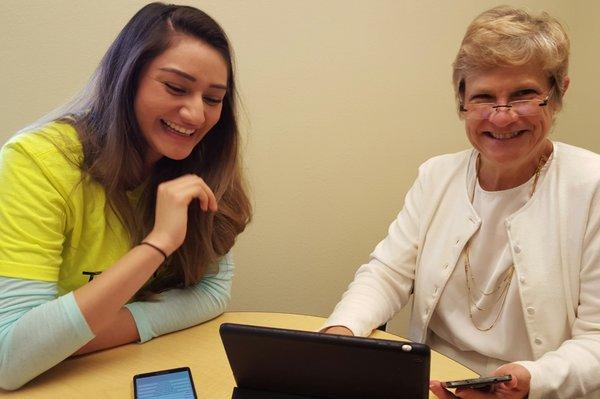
507, 36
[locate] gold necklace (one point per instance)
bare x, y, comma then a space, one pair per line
504, 284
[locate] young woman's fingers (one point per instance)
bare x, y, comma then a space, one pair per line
189, 183
189, 187
189, 192
212, 200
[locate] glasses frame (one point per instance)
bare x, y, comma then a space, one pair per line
508, 106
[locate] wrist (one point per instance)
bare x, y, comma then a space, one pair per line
162, 244
156, 248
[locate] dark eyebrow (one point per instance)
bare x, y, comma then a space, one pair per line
180, 73
218, 86
191, 78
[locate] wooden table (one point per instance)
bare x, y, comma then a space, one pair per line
109, 374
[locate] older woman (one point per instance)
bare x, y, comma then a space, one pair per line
500, 244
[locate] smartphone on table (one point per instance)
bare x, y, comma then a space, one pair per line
483, 383
165, 384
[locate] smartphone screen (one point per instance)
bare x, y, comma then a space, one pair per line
165, 384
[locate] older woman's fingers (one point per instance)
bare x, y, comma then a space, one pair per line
439, 391
465, 393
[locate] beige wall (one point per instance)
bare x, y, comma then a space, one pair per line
342, 101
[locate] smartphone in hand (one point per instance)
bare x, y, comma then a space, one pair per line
483, 383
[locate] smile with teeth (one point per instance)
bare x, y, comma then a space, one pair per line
175, 128
504, 136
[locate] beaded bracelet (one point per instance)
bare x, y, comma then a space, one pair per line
155, 247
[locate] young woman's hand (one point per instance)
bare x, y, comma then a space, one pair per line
172, 202
516, 388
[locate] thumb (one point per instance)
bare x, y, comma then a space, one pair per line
507, 370
439, 391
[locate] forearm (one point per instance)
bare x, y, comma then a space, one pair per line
568, 372
120, 331
375, 295
34, 340
181, 308
103, 298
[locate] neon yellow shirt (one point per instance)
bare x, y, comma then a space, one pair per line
54, 222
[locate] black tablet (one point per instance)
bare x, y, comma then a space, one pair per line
317, 365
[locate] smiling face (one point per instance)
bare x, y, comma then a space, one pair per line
180, 97
505, 140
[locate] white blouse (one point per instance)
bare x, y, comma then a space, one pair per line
454, 333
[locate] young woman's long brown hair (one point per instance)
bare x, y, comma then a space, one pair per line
114, 148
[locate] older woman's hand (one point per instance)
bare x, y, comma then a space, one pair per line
516, 388
339, 330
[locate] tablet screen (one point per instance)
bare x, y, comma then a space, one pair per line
167, 384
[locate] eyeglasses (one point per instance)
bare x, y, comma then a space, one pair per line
519, 107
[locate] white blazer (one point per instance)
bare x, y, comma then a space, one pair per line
555, 243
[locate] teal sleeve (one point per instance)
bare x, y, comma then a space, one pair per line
177, 309
37, 330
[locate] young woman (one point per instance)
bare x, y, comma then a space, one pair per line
118, 211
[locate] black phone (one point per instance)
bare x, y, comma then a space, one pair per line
173, 384
483, 383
